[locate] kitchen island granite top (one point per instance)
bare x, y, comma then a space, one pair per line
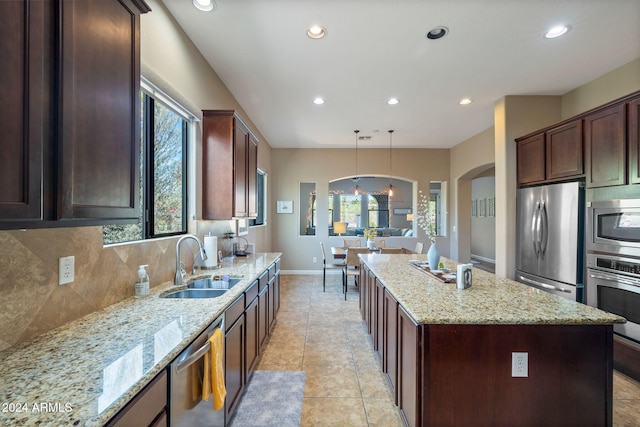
84, 372
490, 299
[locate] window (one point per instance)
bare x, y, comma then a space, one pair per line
261, 194
163, 171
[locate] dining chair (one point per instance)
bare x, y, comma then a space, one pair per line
379, 243
351, 243
325, 266
352, 268
419, 247
390, 250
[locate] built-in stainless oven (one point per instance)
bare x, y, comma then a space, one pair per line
613, 227
613, 285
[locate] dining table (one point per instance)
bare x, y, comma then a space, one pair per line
340, 252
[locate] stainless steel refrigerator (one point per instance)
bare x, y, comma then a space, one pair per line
550, 238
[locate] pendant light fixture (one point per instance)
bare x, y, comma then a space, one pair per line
390, 164
356, 178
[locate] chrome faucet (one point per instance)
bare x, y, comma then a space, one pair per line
180, 273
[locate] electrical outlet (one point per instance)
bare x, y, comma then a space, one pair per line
519, 364
66, 269
315, 259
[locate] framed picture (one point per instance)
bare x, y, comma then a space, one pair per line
491, 206
482, 207
284, 206
474, 207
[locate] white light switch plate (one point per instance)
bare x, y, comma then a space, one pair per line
66, 270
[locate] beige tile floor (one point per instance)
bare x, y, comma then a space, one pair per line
323, 335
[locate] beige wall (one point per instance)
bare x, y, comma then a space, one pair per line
32, 301
322, 165
615, 84
468, 159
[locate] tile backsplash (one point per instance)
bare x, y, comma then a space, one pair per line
31, 300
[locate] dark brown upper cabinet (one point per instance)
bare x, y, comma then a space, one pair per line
605, 147
551, 155
229, 168
26, 84
71, 153
564, 151
633, 110
531, 159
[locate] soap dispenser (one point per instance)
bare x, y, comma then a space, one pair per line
142, 285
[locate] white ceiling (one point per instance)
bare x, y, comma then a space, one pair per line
376, 49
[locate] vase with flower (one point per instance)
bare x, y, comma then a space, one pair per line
369, 235
426, 221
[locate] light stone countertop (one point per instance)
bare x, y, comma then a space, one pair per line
83, 373
490, 299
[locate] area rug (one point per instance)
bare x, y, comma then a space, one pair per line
272, 398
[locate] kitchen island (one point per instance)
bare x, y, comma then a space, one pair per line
83, 373
497, 354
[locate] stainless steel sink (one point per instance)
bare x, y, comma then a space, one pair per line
195, 293
209, 283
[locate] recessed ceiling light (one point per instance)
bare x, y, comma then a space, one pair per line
393, 101
465, 101
204, 5
437, 33
557, 31
318, 101
316, 32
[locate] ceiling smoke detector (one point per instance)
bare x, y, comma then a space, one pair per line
437, 33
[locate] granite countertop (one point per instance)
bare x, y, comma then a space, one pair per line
490, 299
83, 373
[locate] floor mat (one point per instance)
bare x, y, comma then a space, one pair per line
272, 398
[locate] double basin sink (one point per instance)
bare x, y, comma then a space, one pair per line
204, 288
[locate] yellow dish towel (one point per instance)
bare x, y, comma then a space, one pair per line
213, 376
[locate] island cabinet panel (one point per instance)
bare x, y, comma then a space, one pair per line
229, 167
378, 328
390, 340
531, 160
362, 294
564, 151
410, 394
633, 133
605, 147
371, 305
468, 375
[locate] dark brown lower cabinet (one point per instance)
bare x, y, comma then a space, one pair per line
148, 408
271, 310
378, 329
390, 340
409, 395
252, 348
234, 365
263, 316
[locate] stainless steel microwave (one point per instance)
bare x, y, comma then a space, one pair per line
614, 227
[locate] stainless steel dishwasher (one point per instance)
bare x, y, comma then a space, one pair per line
186, 407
